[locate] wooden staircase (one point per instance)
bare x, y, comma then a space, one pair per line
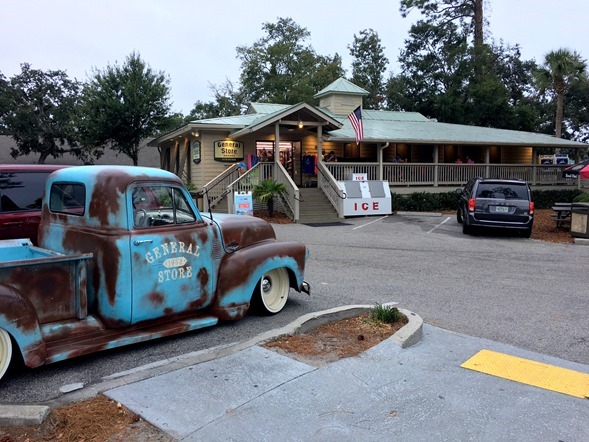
314, 207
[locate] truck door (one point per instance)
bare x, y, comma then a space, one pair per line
170, 248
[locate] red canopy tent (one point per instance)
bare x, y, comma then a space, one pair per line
577, 170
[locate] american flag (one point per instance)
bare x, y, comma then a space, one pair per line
356, 120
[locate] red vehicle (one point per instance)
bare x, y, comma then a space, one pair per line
21, 194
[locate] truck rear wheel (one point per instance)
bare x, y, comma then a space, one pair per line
5, 351
271, 292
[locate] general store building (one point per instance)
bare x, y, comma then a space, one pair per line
409, 151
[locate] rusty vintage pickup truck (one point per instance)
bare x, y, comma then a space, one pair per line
124, 256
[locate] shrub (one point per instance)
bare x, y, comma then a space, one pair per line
266, 191
448, 201
582, 198
425, 202
545, 199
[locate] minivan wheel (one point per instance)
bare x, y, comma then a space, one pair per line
466, 229
459, 216
526, 233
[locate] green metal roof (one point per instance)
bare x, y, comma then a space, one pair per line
234, 120
341, 86
263, 120
392, 116
265, 108
424, 131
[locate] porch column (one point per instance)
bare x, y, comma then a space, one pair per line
487, 159
380, 155
436, 155
534, 162
319, 142
276, 149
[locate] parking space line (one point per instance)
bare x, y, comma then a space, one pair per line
371, 222
443, 222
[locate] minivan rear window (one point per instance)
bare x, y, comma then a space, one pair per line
502, 191
21, 191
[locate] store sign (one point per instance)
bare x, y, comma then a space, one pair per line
228, 151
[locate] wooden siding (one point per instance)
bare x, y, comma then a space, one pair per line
520, 155
340, 104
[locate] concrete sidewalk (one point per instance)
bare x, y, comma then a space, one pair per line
416, 393
244, 392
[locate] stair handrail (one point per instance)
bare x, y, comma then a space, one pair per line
330, 187
261, 171
215, 190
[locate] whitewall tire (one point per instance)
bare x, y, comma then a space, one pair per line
271, 292
5, 351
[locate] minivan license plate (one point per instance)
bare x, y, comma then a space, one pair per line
501, 209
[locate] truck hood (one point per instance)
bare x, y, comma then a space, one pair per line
239, 231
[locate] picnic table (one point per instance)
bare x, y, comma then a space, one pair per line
562, 213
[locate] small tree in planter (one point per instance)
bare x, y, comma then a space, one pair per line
265, 192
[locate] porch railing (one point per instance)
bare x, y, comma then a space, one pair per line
429, 174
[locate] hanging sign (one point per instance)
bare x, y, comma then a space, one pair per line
228, 151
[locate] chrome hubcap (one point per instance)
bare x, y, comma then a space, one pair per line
266, 285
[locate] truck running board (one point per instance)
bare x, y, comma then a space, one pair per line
112, 338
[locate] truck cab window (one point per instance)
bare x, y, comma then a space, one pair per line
68, 198
155, 205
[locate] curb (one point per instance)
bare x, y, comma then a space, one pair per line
20, 415
430, 214
410, 334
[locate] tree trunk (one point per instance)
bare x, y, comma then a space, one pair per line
478, 22
42, 158
559, 113
270, 207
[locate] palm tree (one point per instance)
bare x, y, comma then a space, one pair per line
265, 192
561, 68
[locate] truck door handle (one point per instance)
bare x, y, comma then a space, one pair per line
142, 241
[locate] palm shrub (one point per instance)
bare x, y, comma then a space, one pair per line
265, 192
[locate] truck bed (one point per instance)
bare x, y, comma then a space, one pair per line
54, 283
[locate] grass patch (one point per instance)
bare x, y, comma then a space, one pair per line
381, 314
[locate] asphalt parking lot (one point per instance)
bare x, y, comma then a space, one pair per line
521, 292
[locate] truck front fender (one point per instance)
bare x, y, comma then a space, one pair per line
19, 318
240, 272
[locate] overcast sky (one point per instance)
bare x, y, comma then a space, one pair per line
194, 42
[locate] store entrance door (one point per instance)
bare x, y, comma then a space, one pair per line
290, 157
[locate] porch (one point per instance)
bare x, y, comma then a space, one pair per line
403, 178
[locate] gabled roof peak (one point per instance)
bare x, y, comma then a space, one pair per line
341, 86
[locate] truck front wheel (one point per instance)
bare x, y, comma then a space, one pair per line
271, 292
5, 351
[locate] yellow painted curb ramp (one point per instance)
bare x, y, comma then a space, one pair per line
530, 372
